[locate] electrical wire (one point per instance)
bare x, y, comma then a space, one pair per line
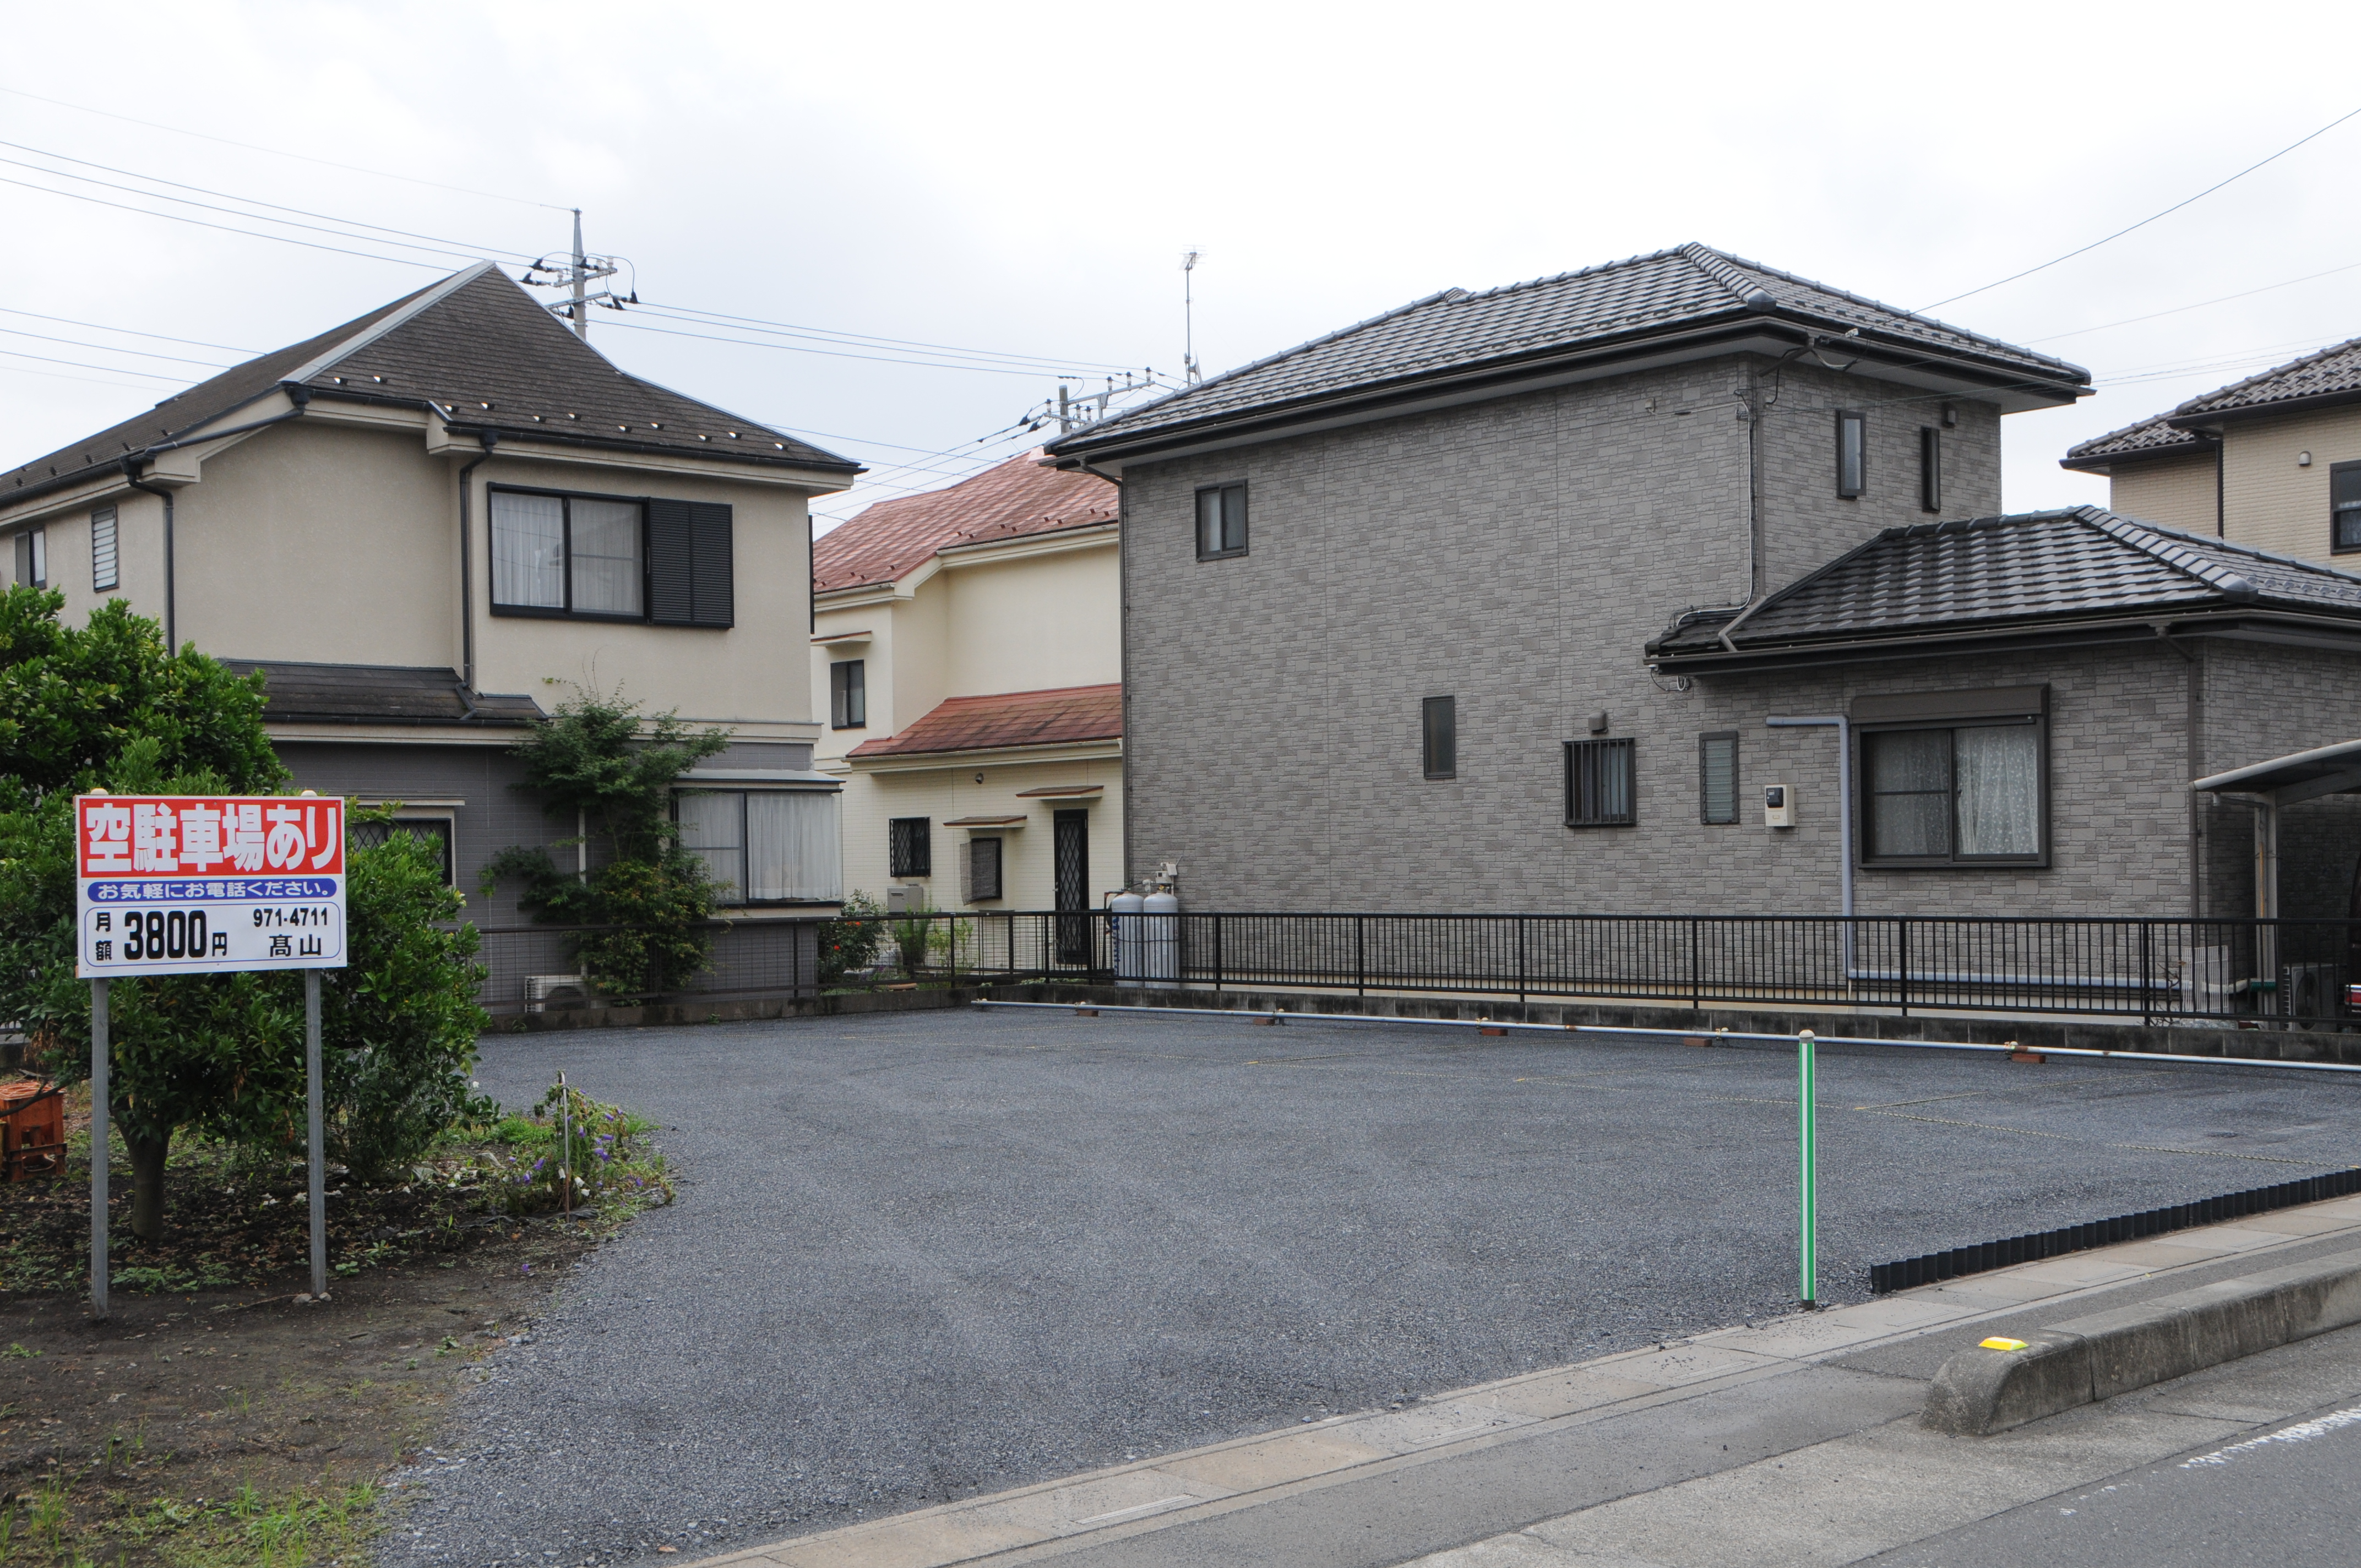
2217, 300
109, 348
435, 242
110, 369
2146, 221
200, 223
790, 328
831, 353
281, 152
131, 331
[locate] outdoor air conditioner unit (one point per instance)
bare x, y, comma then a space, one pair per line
566, 989
2309, 991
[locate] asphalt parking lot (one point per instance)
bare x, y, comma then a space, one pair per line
924, 1254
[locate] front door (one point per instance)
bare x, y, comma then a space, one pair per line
1070, 869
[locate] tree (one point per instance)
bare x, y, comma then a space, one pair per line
591, 764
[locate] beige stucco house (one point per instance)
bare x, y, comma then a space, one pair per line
967, 656
432, 524
2273, 461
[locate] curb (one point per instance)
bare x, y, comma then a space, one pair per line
1984, 1390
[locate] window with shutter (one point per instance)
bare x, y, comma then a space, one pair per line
1717, 777
690, 563
103, 552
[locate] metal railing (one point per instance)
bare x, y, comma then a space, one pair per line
2153, 970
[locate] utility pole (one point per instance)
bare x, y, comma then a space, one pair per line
575, 273
1190, 373
581, 284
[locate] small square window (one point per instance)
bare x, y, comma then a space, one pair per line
910, 846
1439, 736
2345, 506
848, 694
983, 870
1853, 453
1931, 469
1598, 784
1718, 778
1221, 521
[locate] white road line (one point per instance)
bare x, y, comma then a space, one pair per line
2302, 1431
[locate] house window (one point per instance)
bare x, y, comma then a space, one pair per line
983, 870
33, 558
910, 847
2344, 505
1717, 777
1439, 736
1931, 469
1221, 521
612, 558
1853, 453
1598, 784
848, 694
102, 550
435, 832
1963, 794
765, 846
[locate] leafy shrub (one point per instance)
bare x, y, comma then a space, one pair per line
851, 941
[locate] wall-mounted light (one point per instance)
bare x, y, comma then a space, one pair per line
2304, 459
1950, 416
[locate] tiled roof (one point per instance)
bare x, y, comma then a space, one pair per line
376, 694
2149, 438
2331, 374
2000, 572
1062, 717
1007, 500
1454, 330
475, 339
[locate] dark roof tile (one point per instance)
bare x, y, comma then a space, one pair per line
381, 693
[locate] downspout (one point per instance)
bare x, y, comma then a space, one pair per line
467, 579
131, 477
1123, 641
1843, 727
2221, 513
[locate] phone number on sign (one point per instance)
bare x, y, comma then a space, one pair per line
305, 915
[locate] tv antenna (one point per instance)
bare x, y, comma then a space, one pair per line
1191, 372
577, 272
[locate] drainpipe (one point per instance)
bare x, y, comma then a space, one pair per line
1843, 726
466, 577
131, 477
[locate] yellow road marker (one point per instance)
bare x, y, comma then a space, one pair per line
1996, 1343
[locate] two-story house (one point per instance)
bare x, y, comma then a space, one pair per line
966, 652
1519, 599
430, 525
2273, 461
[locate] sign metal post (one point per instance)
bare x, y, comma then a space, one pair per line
205, 884
1807, 1173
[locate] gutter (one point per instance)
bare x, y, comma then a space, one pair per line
2052, 634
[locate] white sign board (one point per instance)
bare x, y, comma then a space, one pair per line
205, 884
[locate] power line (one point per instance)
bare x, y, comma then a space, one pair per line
110, 348
434, 242
790, 328
110, 369
200, 223
281, 152
2218, 300
2146, 221
129, 332
833, 353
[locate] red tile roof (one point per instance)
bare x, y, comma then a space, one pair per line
1010, 718
1005, 501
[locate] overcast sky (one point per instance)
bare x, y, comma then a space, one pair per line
1024, 183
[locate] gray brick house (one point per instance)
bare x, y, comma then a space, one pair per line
1429, 614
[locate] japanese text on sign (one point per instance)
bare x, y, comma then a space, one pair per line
180, 884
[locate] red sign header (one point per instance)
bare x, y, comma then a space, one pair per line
187, 835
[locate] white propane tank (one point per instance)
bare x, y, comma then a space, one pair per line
1123, 915
1161, 936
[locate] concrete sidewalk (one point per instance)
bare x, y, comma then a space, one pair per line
1795, 1440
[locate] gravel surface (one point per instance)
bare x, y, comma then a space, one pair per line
921, 1255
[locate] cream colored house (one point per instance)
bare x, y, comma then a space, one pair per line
2273, 461
967, 656
429, 526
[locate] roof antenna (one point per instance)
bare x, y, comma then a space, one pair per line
1191, 372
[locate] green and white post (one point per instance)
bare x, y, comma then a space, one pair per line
1808, 1172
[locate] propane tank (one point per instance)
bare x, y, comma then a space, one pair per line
1161, 935
1123, 916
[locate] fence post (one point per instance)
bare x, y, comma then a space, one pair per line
1696, 963
1360, 960
1903, 942
1522, 922
1808, 1171
1217, 952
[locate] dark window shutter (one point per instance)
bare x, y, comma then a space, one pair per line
709, 529
672, 564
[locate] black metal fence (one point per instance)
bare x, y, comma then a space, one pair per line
535, 968
2214, 972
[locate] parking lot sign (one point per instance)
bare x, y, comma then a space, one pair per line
207, 885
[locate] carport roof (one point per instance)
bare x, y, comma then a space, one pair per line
2299, 775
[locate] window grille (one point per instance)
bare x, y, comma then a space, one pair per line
983, 870
103, 552
1717, 777
1852, 452
1221, 521
435, 832
1439, 736
910, 847
1598, 784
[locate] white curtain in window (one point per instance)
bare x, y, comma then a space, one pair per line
710, 828
791, 846
607, 557
528, 551
1999, 777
